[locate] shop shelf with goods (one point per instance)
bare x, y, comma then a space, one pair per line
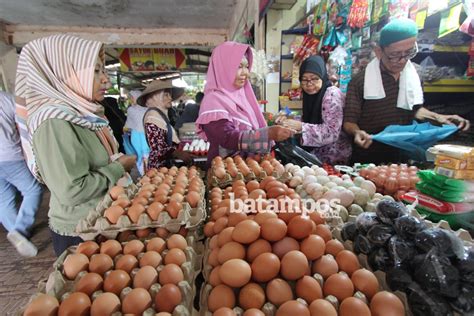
290, 40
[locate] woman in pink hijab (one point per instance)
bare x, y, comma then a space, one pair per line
229, 116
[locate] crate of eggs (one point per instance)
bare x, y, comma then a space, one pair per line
427, 265
113, 278
224, 171
273, 260
164, 198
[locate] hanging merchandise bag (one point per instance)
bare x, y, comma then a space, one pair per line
415, 138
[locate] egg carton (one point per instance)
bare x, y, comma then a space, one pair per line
227, 180
95, 223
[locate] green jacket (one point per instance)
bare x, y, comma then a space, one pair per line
76, 169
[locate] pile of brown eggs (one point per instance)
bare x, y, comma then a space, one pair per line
283, 263
162, 190
235, 165
113, 277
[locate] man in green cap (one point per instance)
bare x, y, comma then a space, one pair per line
388, 92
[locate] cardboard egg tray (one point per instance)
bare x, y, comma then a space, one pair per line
461, 233
227, 180
58, 286
95, 223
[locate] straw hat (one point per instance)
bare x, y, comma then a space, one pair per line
157, 85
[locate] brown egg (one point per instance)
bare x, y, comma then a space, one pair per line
171, 274
133, 247
126, 263
316, 218
42, 304
252, 185
116, 191
100, 263
231, 250
386, 304
213, 257
145, 278
140, 200
235, 273
366, 282
209, 229
219, 212
88, 248
224, 311
150, 258
278, 292
162, 232
122, 202
214, 278
261, 217
338, 285
253, 312
324, 231
300, 227
105, 305
333, 247
156, 244
125, 236
145, 193
251, 296
75, 304
246, 232
167, 298
111, 247
219, 172
325, 266
75, 263
294, 265
221, 296
220, 224
143, 233
286, 216
265, 181
353, 306
176, 256
113, 213
308, 289
89, 283
136, 302
292, 308
193, 198
313, 247
236, 218
282, 247
135, 211
257, 248
177, 241
225, 236
322, 307
273, 229
173, 208
347, 261
154, 210
160, 197
265, 267
116, 281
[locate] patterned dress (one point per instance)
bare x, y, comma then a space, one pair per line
327, 140
159, 149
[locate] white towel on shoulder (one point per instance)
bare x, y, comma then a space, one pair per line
410, 92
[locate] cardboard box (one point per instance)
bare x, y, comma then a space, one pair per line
455, 174
454, 163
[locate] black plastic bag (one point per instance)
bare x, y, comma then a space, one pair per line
362, 245
423, 303
401, 251
408, 226
349, 231
465, 266
398, 279
388, 211
464, 303
445, 243
287, 152
379, 259
365, 221
380, 234
437, 274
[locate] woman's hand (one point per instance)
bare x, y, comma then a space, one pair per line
362, 139
127, 161
460, 122
295, 125
185, 156
279, 133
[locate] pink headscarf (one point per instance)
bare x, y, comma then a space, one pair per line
222, 100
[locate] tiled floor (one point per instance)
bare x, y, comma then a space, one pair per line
19, 277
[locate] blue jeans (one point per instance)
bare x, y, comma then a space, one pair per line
15, 176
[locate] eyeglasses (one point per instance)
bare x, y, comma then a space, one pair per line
409, 55
308, 81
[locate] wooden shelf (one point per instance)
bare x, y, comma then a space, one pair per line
449, 85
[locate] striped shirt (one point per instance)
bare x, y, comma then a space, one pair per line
373, 116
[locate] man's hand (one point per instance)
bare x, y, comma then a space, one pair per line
185, 156
362, 139
279, 133
460, 122
127, 161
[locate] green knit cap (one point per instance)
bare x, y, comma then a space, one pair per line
396, 31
